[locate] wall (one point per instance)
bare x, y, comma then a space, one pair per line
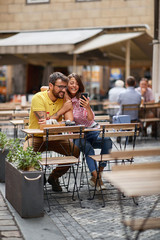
17, 15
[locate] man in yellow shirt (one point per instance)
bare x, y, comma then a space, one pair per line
51, 101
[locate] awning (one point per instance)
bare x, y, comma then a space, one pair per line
105, 40
45, 41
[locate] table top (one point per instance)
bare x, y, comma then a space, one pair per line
134, 183
37, 131
17, 122
32, 131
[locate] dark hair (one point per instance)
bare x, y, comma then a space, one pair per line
80, 83
131, 81
57, 75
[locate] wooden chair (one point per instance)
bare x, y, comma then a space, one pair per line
135, 180
121, 130
113, 131
68, 133
102, 118
26, 122
145, 119
20, 114
128, 109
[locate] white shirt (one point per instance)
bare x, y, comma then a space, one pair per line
114, 92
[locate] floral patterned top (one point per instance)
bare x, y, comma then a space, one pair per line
80, 114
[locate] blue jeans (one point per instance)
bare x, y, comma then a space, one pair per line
93, 141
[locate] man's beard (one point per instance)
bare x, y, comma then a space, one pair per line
58, 95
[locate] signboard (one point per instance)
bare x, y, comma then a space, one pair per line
115, 74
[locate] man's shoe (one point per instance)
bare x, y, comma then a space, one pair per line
55, 184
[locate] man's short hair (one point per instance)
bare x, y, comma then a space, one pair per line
131, 81
57, 75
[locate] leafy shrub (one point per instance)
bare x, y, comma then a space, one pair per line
23, 159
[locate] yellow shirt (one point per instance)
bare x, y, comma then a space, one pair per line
41, 102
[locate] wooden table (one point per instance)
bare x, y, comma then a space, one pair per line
16, 123
141, 180
135, 183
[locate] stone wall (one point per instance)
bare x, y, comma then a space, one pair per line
59, 14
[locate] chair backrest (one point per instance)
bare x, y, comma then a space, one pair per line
20, 114
135, 153
102, 118
63, 133
151, 106
26, 122
132, 110
120, 130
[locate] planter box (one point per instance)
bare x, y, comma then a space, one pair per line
2, 164
24, 190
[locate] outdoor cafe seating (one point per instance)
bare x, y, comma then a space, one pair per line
134, 181
60, 133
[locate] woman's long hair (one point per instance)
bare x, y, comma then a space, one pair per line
80, 84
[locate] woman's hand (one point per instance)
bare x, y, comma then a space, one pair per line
84, 102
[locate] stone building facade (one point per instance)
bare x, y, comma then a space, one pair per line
17, 15
32, 15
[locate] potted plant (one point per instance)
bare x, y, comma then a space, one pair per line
24, 181
4, 146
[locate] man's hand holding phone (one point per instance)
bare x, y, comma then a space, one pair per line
84, 101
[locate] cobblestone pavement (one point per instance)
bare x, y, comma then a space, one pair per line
96, 222
8, 227
92, 221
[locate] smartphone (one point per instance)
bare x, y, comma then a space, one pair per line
84, 94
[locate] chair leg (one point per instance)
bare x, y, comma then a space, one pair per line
45, 187
75, 174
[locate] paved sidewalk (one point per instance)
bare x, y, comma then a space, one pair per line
8, 226
42, 228
67, 220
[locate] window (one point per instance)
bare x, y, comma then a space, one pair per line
37, 1
87, 0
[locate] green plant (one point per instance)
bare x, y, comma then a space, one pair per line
3, 141
23, 159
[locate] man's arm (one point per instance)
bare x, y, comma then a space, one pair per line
40, 114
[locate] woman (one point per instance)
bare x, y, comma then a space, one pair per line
84, 115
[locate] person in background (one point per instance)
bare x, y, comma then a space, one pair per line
51, 101
114, 92
130, 96
145, 91
85, 116
113, 95
147, 97
150, 83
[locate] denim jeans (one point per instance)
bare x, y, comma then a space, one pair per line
91, 142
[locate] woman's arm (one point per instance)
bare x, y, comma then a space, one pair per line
86, 105
67, 106
69, 116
